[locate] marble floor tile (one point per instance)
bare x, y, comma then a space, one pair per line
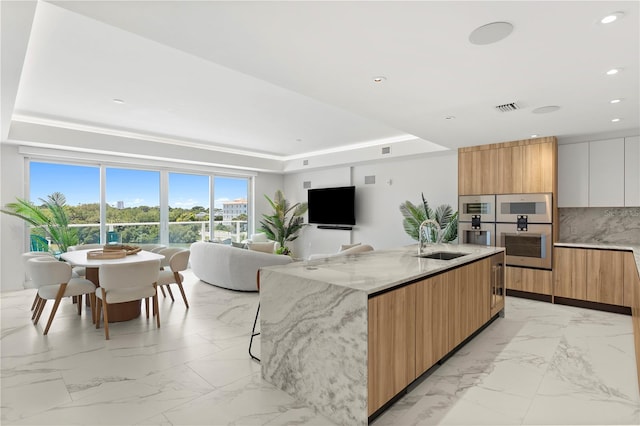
541, 364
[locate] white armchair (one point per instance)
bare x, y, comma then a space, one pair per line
259, 238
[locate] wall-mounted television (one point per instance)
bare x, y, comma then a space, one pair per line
332, 206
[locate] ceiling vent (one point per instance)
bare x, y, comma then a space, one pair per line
507, 107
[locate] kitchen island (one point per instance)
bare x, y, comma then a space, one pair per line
347, 335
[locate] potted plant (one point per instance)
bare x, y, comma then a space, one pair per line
49, 219
444, 215
285, 223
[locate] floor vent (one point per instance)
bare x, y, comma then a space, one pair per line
507, 107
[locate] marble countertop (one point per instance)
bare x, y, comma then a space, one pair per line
635, 248
375, 271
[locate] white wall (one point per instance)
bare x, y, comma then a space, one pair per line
378, 218
312, 239
265, 183
13, 230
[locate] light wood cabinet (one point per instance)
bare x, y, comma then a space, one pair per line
530, 280
538, 167
526, 166
590, 274
509, 176
570, 279
413, 327
391, 344
478, 172
630, 279
573, 175
432, 321
469, 300
605, 276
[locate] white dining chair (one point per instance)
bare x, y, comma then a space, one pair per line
125, 282
178, 261
28, 283
53, 279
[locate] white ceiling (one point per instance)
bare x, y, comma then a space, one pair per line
293, 78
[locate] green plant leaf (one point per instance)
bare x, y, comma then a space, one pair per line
414, 215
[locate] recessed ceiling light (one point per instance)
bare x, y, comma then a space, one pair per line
379, 79
546, 109
615, 101
449, 117
118, 101
613, 71
490, 33
615, 120
534, 136
612, 17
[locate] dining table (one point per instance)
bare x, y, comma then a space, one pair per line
117, 311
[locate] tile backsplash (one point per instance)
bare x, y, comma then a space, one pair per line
613, 225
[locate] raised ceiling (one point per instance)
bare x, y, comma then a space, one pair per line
289, 79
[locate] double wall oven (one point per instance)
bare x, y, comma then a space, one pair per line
523, 226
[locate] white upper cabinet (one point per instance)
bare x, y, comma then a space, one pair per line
599, 173
573, 175
632, 171
606, 173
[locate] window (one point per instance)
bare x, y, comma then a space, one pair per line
81, 187
188, 209
145, 206
231, 212
133, 205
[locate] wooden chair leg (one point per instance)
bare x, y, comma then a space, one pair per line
39, 310
162, 290
155, 306
184, 296
98, 311
92, 303
79, 303
146, 305
176, 275
35, 302
170, 292
56, 303
105, 314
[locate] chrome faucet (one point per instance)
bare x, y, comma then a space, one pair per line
421, 228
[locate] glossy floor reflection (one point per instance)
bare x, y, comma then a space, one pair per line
542, 364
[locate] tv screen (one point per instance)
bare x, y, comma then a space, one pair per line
332, 206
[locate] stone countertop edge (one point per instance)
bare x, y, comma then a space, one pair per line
607, 246
380, 270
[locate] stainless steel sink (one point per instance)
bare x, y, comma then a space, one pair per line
443, 255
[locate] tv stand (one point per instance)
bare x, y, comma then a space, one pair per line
342, 228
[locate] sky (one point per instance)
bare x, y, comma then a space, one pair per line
81, 185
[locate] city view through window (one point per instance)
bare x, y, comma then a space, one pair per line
133, 208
